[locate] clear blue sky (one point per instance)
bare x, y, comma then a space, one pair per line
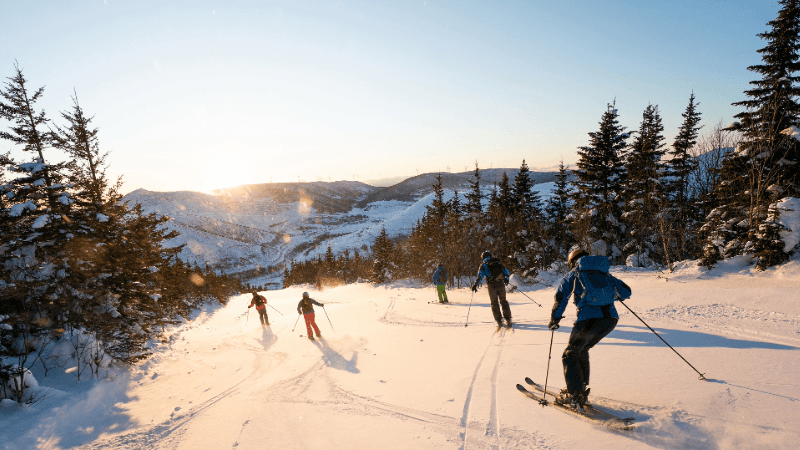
203, 94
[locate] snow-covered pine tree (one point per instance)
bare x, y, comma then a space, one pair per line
476, 240
382, 258
498, 218
38, 222
643, 190
771, 156
527, 244
457, 238
557, 211
598, 188
681, 213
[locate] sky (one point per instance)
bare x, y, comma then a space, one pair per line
204, 94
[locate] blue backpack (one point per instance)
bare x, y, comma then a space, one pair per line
598, 286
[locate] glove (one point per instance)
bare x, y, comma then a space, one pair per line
249, 306
323, 304
505, 281
474, 288
553, 325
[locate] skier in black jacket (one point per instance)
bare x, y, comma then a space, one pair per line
306, 308
496, 280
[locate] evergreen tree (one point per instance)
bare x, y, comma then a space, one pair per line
557, 211
772, 156
683, 214
643, 191
382, 253
598, 186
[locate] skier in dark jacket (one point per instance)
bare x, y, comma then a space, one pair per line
593, 322
496, 280
440, 280
260, 302
306, 308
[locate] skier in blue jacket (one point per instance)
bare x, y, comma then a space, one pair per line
496, 276
440, 280
593, 323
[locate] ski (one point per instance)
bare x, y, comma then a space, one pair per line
589, 412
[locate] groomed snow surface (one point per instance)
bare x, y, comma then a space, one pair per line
400, 373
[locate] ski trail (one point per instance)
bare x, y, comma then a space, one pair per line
468, 400
493, 427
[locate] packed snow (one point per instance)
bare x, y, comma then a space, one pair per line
393, 371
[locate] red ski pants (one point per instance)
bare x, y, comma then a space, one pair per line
310, 322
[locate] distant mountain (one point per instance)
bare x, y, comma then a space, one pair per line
413, 188
331, 197
253, 230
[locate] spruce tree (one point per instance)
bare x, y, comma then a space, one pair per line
557, 212
643, 191
597, 198
766, 165
382, 258
683, 214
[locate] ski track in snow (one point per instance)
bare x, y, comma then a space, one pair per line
491, 430
168, 434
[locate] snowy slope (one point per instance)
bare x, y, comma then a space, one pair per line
399, 373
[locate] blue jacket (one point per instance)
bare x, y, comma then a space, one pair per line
436, 276
570, 285
483, 272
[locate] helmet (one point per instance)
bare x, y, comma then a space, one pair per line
305, 294
255, 293
486, 254
575, 255
441, 265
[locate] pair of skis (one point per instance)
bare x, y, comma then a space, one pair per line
589, 412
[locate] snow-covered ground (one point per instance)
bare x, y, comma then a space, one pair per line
400, 373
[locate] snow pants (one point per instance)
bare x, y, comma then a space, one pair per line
262, 316
497, 295
441, 292
310, 322
585, 334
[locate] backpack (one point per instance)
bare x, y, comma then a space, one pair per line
495, 269
259, 300
442, 275
598, 286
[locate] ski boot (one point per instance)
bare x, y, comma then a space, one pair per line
574, 401
311, 338
509, 324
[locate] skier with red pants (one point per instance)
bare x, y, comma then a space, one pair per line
306, 308
260, 302
594, 294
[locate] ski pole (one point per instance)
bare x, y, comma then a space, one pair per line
547, 375
702, 377
276, 309
534, 301
470, 307
295, 322
329, 319
248, 318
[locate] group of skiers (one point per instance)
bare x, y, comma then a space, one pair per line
305, 307
588, 282
594, 292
